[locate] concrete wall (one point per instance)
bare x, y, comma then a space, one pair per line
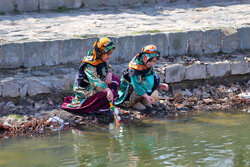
196, 43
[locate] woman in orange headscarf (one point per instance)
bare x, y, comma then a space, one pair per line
140, 81
95, 84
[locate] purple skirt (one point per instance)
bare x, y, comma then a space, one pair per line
96, 103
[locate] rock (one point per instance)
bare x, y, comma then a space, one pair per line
162, 101
2, 104
196, 71
182, 108
10, 87
23, 90
218, 69
205, 95
174, 73
37, 86
248, 83
207, 101
10, 105
157, 103
239, 68
186, 93
197, 93
30, 101
244, 95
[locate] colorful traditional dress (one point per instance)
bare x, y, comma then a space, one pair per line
138, 79
90, 81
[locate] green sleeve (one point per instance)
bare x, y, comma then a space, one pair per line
137, 84
94, 79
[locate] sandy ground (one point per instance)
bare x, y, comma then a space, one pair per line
161, 17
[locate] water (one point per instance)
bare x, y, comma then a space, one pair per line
211, 139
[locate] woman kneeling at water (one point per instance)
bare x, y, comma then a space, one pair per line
95, 84
139, 81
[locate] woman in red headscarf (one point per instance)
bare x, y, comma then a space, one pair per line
95, 84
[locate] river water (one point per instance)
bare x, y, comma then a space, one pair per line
208, 139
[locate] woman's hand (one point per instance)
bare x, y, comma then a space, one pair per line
149, 98
109, 94
108, 78
163, 86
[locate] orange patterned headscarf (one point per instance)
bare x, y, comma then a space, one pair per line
100, 48
140, 60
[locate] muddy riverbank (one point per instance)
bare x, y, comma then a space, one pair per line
44, 116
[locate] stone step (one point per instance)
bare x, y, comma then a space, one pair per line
71, 51
177, 72
44, 80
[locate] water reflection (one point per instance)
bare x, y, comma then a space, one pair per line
214, 139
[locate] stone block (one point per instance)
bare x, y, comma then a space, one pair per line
33, 54
126, 49
196, 43
6, 5
229, 41
23, 91
1, 89
244, 34
241, 67
71, 3
69, 81
196, 71
112, 3
218, 69
141, 41
27, 5
93, 3
87, 45
12, 55
62, 83
212, 41
52, 53
248, 66
10, 87
131, 2
48, 4
1, 58
72, 51
177, 43
37, 86
161, 41
174, 73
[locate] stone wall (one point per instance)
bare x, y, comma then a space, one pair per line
180, 72
24, 83
41, 5
43, 60
71, 51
